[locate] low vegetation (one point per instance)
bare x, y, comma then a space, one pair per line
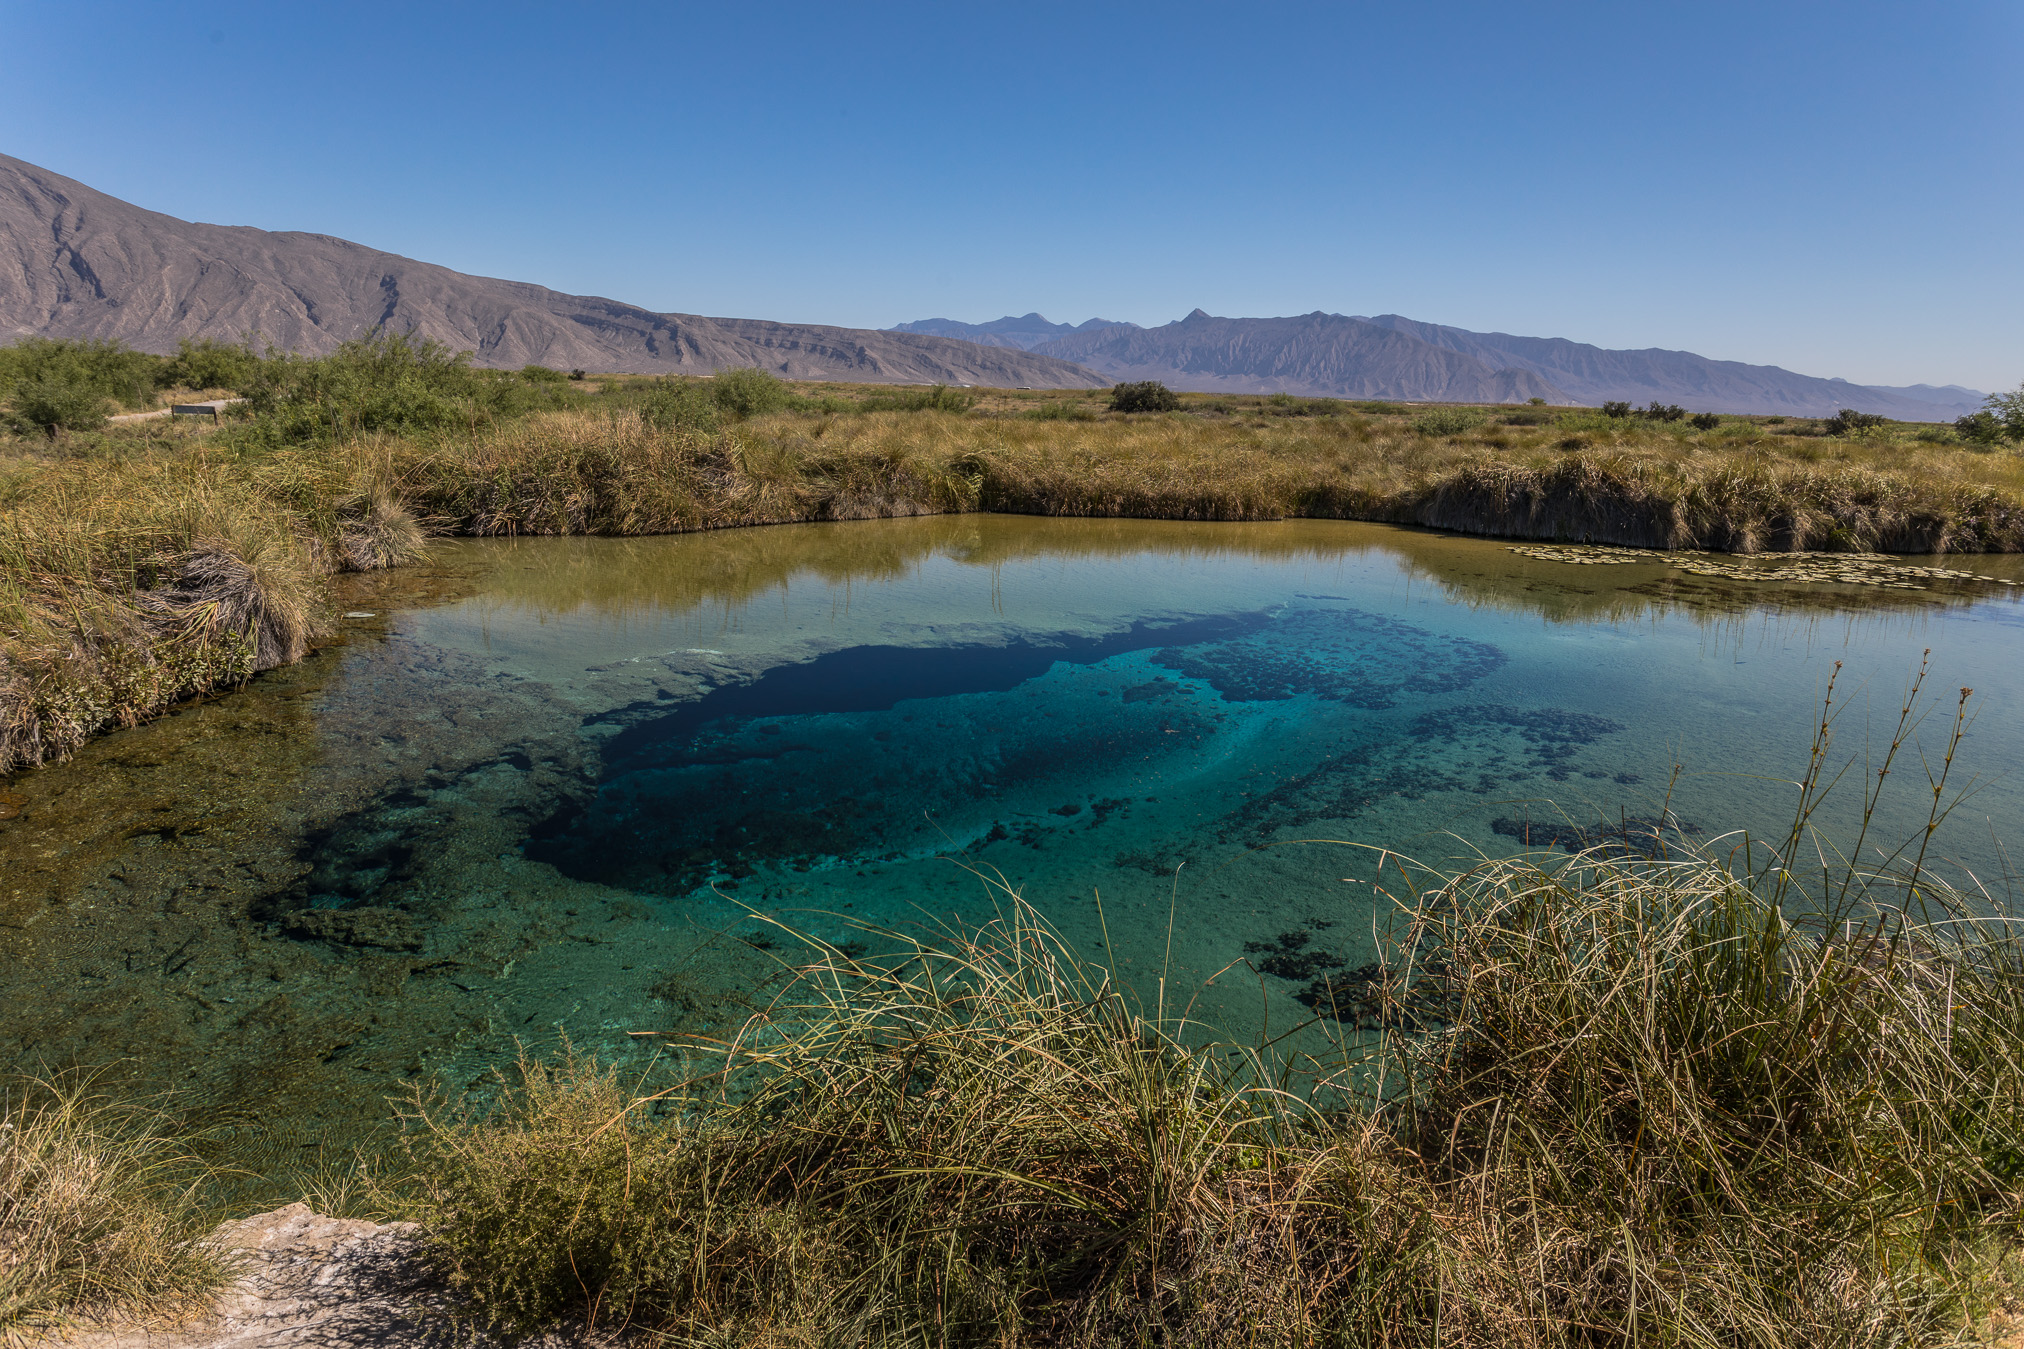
142, 563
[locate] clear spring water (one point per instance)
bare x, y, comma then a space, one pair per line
543, 791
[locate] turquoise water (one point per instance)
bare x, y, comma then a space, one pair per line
548, 788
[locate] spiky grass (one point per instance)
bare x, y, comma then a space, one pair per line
100, 1216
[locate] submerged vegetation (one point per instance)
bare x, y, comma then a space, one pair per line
145, 562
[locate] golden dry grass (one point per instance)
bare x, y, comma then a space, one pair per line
100, 1219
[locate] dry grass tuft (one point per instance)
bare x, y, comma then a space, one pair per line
99, 1217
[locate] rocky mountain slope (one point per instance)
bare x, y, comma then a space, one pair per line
75, 262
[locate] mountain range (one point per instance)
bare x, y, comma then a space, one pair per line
1394, 357
1026, 332
75, 262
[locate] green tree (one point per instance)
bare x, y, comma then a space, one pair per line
59, 401
2008, 409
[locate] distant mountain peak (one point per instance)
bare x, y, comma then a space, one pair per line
1197, 314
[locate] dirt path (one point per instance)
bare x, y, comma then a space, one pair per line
312, 1282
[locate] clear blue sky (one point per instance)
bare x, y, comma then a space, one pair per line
1836, 188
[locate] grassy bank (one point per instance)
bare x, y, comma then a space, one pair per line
141, 564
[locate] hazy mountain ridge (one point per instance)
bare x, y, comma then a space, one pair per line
1594, 375
1394, 357
1314, 354
1024, 332
75, 262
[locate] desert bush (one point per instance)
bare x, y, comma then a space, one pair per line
54, 384
1704, 421
1618, 409
58, 401
1448, 421
749, 392
1848, 421
1147, 395
1656, 411
382, 382
541, 374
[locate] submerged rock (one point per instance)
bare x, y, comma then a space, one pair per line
386, 929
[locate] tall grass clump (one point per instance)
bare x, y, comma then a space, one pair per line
979, 1140
101, 1216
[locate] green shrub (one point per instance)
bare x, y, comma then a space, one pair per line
1618, 409
1527, 418
541, 374
1663, 412
1704, 421
206, 364
1848, 421
748, 392
1448, 421
1979, 428
58, 401
1147, 395
58, 384
685, 405
390, 382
